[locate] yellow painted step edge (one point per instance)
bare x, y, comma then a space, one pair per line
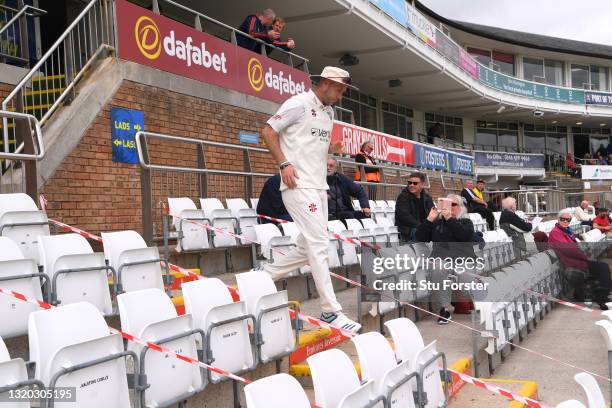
178, 301
180, 275
45, 91
43, 77
529, 389
303, 370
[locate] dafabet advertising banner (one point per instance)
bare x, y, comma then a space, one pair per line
159, 42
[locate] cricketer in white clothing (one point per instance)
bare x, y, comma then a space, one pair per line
299, 138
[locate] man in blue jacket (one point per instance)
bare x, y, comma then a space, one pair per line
271, 201
341, 190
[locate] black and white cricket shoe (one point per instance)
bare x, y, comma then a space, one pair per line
340, 321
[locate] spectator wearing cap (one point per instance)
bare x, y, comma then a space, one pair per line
563, 241
476, 204
412, 206
257, 26
278, 26
479, 190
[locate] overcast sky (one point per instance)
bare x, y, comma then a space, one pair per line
586, 20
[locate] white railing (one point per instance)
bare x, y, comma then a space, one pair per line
14, 41
52, 80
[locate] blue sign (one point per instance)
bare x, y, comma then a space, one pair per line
396, 9
124, 125
249, 137
440, 159
597, 98
501, 159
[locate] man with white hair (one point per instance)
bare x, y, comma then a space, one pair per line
257, 26
581, 213
513, 225
299, 139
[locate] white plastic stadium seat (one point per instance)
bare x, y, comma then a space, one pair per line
591, 389
381, 203
123, 248
349, 252
273, 243
24, 279
20, 209
192, 237
406, 338
13, 375
220, 217
571, 404
335, 381
276, 391
150, 315
73, 335
61, 253
254, 202
259, 293
247, 217
378, 363
227, 342
290, 229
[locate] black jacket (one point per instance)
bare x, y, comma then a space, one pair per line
469, 199
453, 238
407, 211
509, 218
349, 189
271, 201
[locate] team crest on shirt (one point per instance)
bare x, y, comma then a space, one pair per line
312, 207
313, 113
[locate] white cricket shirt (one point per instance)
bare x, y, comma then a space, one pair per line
305, 127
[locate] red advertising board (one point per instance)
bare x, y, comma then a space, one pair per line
159, 42
386, 147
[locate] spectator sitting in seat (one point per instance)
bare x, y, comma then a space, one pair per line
588, 159
602, 151
572, 167
278, 26
513, 225
256, 25
601, 161
412, 206
602, 222
476, 204
271, 201
479, 190
581, 213
341, 189
563, 242
452, 234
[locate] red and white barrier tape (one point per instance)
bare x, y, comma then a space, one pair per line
499, 390
161, 349
132, 338
309, 319
267, 217
347, 333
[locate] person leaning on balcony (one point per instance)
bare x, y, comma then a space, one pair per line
278, 26
257, 26
372, 174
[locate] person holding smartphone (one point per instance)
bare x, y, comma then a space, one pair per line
452, 234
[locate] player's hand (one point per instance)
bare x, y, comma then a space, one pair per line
291, 44
336, 147
366, 211
433, 214
290, 176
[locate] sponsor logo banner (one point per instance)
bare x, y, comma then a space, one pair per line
500, 159
396, 9
596, 172
159, 42
597, 98
421, 26
386, 147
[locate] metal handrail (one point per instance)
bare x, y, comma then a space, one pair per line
232, 29
39, 145
24, 10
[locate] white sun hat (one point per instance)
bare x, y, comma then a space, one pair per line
335, 74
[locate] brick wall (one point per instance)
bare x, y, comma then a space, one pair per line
89, 190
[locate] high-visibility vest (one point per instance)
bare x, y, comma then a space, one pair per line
371, 176
478, 193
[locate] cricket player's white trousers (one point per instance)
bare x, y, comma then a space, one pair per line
308, 208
